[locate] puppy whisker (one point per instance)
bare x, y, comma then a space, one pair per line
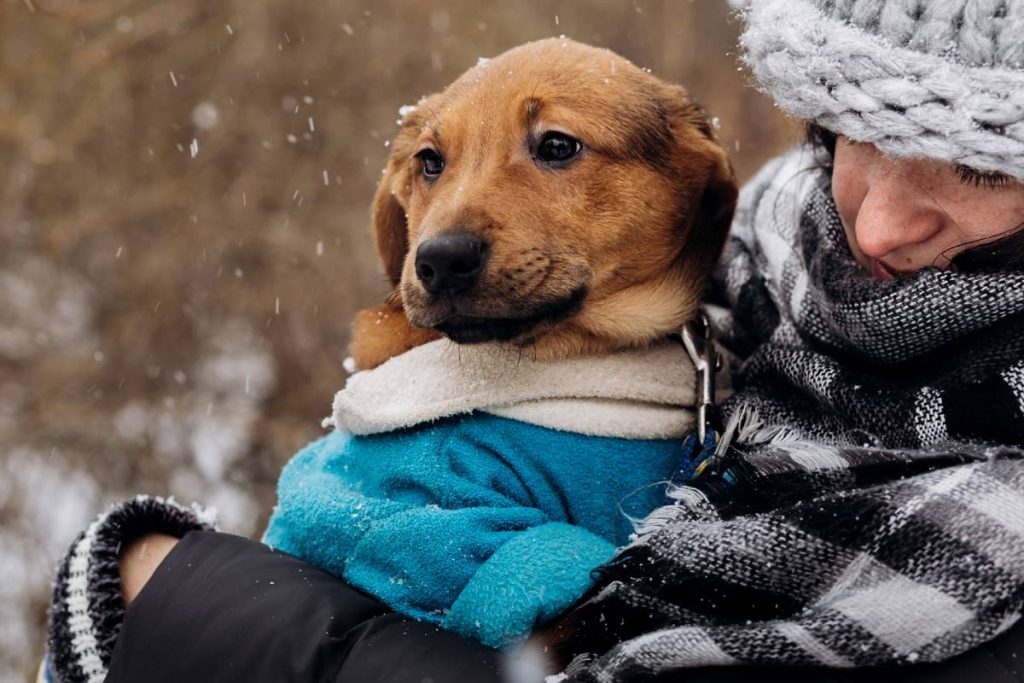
533, 350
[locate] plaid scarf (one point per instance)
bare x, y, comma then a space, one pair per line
866, 506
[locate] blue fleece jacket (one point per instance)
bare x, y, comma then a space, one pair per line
485, 525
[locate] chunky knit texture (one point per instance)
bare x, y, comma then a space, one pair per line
869, 508
87, 607
941, 79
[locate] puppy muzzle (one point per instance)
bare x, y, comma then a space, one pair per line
451, 263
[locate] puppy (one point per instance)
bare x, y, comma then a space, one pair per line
557, 198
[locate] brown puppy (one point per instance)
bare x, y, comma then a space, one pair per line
556, 197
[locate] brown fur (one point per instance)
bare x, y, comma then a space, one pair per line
634, 223
384, 332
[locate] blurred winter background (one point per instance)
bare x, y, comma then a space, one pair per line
184, 192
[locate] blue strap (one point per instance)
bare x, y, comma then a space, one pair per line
46, 669
695, 457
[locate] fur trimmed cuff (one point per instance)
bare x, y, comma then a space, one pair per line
87, 608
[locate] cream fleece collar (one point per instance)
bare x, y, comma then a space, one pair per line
634, 394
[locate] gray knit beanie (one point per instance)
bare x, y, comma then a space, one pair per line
941, 79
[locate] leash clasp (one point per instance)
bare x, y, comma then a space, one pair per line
698, 339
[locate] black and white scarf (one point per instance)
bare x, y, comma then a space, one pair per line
869, 507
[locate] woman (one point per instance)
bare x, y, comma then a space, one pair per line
864, 506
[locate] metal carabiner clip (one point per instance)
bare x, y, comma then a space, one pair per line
698, 339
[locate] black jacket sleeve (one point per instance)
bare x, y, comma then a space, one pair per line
223, 608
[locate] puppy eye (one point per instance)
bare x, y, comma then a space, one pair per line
433, 163
556, 147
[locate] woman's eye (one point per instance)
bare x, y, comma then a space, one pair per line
555, 147
433, 163
971, 176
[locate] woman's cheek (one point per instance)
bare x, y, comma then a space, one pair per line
987, 217
847, 202
849, 188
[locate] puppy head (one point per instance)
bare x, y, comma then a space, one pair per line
556, 196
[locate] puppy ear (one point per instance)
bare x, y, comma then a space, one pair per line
700, 156
384, 332
390, 228
710, 228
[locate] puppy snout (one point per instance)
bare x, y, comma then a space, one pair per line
450, 263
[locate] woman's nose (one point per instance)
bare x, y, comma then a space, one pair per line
896, 213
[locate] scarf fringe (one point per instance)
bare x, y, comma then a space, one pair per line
747, 427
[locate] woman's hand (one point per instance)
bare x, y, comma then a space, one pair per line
139, 559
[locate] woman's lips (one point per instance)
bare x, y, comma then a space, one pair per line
880, 271
884, 272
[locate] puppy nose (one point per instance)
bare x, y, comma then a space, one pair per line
450, 263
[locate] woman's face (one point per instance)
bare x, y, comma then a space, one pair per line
902, 215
